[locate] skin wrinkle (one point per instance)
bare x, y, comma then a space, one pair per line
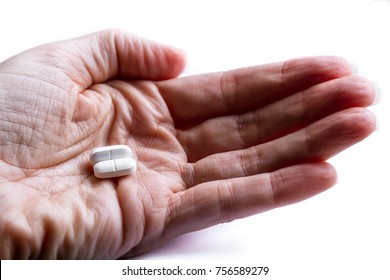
46, 251
117, 61
283, 72
182, 138
27, 223
226, 89
305, 107
161, 125
121, 46
93, 218
20, 234
274, 186
123, 236
292, 147
146, 54
188, 174
74, 232
141, 225
21, 73
59, 59
242, 160
16, 90
169, 214
226, 200
22, 174
240, 128
309, 145
81, 139
127, 214
91, 215
31, 221
34, 125
160, 105
259, 154
254, 118
148, 230
96, 66
124, 228
258, 121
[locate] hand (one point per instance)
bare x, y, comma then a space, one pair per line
210, 148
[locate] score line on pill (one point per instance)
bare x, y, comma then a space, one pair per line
112, 161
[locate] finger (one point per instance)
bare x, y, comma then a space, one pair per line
101, 56
221, 201
194, 99
277, 119
316, 142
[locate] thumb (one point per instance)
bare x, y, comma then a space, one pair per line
135, 57
104, 55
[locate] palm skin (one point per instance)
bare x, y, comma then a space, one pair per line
210, 148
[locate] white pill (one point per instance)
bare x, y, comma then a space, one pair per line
114, 168
112, 161
109, 153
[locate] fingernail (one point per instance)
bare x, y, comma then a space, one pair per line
378, 93
354, 69
377, 124
376, 120
337, 181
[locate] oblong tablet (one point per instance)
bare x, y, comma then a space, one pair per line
110, 153
114, 168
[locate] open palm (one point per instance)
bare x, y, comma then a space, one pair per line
210, 148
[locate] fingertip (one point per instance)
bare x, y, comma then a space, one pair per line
131, 56
355, 91
329, 172
300, 182
362, 123
302, 73
176, 60
354, 69
378, 93
338, 66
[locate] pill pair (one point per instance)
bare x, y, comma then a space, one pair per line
112, 161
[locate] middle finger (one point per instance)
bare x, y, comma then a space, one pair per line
236, 132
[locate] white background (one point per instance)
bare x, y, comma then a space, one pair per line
341, 234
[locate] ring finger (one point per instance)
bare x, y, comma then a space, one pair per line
277, 119
316, 142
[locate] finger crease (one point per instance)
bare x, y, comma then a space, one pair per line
240, 129
283, 74
228, 90
308, 143
225, 198
275, 186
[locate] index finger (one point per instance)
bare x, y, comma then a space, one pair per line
198, 98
